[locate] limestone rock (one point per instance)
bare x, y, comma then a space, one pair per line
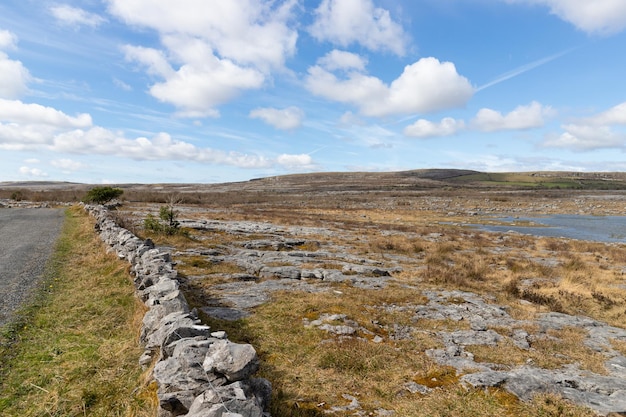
233, 360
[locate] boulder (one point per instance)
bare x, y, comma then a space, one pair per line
233, 360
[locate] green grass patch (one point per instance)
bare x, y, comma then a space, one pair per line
74, 350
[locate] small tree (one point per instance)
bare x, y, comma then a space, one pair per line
169, 216
102, 195
168, 223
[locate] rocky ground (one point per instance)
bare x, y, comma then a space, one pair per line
240, 257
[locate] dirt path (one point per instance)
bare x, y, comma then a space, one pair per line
27, 237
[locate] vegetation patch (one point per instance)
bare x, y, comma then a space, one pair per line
75, 350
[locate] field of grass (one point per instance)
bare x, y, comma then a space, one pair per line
312, 371
68, 369
74, 352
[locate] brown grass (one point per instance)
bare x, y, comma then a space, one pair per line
311, 369
76, 351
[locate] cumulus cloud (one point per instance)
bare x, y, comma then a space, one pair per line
211, 50
283, 119
426, 129
32, 172
250, 32
15, 111
26, 127
75, 17
15, 77
424, 86
604, 130
346, 22
522, 117
342, 60
295, 162
8, 40
599, 16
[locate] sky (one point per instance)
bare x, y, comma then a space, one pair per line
210, 91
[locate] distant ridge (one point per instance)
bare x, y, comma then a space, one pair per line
426, 179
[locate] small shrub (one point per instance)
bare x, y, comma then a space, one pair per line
102, 195
17, 196
167, 223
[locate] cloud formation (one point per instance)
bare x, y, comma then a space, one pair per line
531, 116
604, 17
198, 87
75, 17
601, 131
15, 77
426, 129
213, 54
284, 119
425, 86
521, 118
8, 40
26, 127
347, 22
342, 60
32, 172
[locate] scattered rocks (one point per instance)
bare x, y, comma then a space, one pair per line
602, 393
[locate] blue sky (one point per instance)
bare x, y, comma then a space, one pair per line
151, 91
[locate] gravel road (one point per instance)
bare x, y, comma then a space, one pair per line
27, 237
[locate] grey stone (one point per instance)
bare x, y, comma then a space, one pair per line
415, 388
233, 360
280, 272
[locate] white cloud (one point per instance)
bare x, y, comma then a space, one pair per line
342, 60
295, 162
586, 138
283, 119
427, 129
8, 40
32, 172
15, 111
603, 130
248, 32
15, 77
199, 86
598, 16
67, 165
75, 17
346, 22
211, 50
522, 117
26, 127
424, 86
616, 115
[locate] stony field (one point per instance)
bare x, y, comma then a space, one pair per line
382, 303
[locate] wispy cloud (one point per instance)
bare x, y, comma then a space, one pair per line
75, 17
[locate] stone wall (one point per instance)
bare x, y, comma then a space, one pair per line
199, 372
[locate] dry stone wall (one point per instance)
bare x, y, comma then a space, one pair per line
199, 372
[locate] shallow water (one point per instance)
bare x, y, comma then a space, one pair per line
596, 228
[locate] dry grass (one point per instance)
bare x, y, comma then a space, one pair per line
76, 351
552, 351
197, 265
311, 369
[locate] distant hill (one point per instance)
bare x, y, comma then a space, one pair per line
346, 182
